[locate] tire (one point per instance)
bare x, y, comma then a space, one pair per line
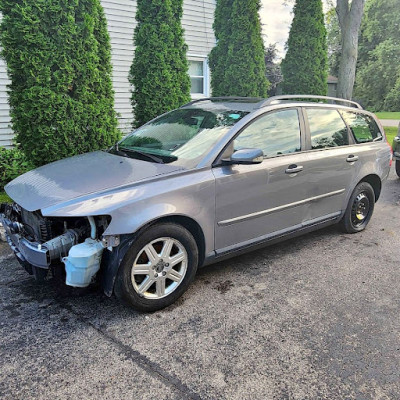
158, 267
398, 168
359, 209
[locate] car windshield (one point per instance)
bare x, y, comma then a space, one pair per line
180, 137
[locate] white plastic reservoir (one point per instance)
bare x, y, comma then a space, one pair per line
83, 262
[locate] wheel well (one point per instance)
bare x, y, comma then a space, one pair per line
375, 182
192, 226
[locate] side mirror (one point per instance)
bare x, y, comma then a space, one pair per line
247, 156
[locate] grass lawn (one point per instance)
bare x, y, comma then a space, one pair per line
4, 198
390, 133
388, 115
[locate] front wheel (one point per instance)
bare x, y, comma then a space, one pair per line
398, 168
359, 209
158, 267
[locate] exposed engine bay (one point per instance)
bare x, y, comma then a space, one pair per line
42, 243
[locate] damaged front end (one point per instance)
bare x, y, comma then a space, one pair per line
44, 243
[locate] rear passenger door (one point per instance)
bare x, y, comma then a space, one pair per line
332, 162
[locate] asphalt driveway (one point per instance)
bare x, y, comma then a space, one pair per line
317, 317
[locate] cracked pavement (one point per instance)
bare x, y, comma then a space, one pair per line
316, 317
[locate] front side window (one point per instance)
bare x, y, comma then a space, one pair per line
180, 137
364, 127
275, 133
327, 128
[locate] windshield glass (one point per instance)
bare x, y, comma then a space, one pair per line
180, 137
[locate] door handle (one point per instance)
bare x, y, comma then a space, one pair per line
352, 158
294, 169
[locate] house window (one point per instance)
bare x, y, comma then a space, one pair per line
197, 72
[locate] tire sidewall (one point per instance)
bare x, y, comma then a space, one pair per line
347, 223
124, 287
397, 166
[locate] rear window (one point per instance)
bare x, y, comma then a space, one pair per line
364, 127
327, 128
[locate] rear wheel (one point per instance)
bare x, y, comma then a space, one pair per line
158, 267
359, 209
398, 168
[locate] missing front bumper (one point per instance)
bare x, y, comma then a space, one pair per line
37, 254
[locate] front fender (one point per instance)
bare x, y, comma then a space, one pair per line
190, 194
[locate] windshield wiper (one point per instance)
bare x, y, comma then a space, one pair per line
142, 153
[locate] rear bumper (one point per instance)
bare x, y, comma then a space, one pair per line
27, 253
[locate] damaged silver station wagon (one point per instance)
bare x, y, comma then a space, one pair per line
207, 181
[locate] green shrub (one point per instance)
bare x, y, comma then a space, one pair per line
58, 60
305, 67
237, 61
159, 72
13, 163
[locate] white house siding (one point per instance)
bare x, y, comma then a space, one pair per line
197, 21
121, 21
6, 133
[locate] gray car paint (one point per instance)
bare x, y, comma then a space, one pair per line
86, 174
135, 193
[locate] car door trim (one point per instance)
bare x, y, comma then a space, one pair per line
277, 209
276, 236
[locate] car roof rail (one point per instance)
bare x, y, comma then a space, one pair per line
225, 98
273, 99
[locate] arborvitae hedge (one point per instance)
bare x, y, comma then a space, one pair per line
305, 67
237, 61
58, 59
159, 72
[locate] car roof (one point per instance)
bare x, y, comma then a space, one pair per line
226, 103
250, 104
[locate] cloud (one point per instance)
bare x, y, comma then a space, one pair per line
276, 18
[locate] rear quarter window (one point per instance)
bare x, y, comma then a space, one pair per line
363, 127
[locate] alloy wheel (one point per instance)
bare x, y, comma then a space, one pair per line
159, 268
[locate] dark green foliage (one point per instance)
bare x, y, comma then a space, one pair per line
305, 65
378, 72
333, 37
237, 61
159, 70
13, 163
274, 72
58, 59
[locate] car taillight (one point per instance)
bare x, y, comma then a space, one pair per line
391, 153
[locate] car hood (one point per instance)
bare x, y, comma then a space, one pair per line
78, 176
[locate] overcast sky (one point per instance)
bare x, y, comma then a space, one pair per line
276, 19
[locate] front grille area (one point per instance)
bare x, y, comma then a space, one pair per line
36, 227
33, 226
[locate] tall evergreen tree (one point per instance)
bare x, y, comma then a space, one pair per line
58, 60
305, 65
237, 61
159, 72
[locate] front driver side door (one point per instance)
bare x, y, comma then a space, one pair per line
260, 200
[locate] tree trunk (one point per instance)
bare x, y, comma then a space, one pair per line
350, 17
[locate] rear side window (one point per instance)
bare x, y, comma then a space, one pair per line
364, 127
327, 128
